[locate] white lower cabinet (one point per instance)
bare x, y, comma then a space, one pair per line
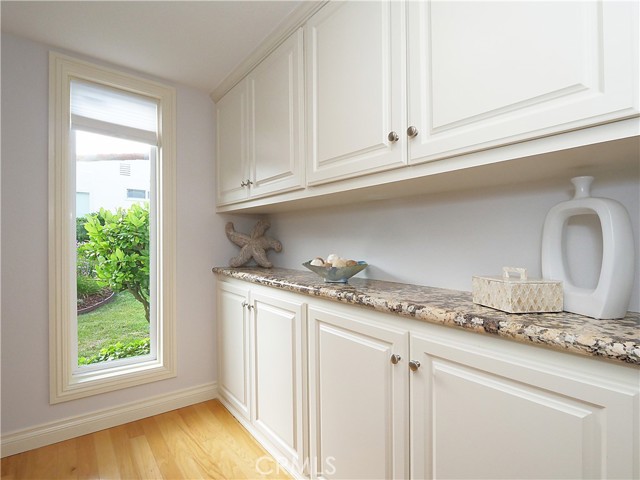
261, 368
358, 397
233, 346
391, 397
484, 412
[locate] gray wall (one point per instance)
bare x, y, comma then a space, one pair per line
442, 240
201, 243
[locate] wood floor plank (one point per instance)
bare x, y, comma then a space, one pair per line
134, 429
172, 434
143, 458
87, 458
122, 449
208, 436
106, 455
67, 464
10, 467
195, 445
201, 441
165, 460
43, 462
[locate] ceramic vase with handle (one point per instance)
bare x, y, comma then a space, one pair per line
610, 298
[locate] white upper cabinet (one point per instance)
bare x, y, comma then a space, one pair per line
260, 128
485, 74
276, 116
389, 84
355, 90
231, 145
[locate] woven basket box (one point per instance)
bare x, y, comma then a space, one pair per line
517, 295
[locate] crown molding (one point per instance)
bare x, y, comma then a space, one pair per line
289, 25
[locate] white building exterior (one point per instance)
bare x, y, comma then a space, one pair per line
110, 184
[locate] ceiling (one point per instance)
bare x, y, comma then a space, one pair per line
194, 43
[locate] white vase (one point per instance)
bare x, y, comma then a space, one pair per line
610, 298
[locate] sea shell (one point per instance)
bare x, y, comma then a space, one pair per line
318, 262
332, 257
339, 263
351, 263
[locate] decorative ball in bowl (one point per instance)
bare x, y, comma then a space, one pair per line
336, 274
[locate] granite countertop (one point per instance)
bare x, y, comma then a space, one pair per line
617, 340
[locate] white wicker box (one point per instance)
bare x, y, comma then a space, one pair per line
517, 295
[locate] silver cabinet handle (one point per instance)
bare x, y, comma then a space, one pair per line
246, 183
243, 184
393, 137
395, 359
414, 365
250, 307
412, 131
245, 304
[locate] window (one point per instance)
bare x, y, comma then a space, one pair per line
88, 104
134, 194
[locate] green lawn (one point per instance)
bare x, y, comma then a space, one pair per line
120, 320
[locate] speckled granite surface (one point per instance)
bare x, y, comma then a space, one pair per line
617, 340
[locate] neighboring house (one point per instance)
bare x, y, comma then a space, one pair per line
111, 183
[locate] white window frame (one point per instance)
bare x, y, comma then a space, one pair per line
67, 382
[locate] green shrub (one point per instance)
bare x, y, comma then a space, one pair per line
87, 286
81, 233
135, 348
118, 246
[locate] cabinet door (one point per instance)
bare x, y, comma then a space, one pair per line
276, 111
354, 89
357, 398
483, 74
233, 347
277, 378
231, 165
481, 414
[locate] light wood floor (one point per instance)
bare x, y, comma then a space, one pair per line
196, 442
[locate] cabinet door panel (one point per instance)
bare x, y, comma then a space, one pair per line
357, 398
354, 90
504, 423
233, 347
276, 105
231, 166
489, 73
278, 329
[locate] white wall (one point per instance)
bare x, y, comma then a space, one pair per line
442, 240
201, 243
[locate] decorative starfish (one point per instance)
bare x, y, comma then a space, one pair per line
254, 246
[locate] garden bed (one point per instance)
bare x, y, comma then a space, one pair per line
91, 302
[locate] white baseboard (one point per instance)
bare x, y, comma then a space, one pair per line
53, 432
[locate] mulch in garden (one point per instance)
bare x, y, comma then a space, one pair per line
90, 302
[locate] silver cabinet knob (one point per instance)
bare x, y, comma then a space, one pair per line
393, 137
246, 183
243, 184
412, 131
395, 358
414, 365
245, 304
